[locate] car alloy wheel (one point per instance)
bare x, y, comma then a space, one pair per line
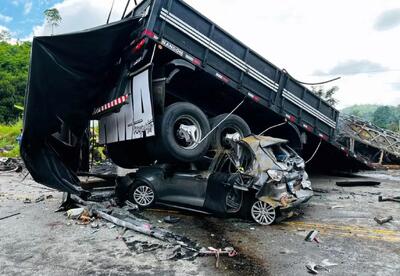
143, 195
263, 213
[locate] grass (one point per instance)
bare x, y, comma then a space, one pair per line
8, 136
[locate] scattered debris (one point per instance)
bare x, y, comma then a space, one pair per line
395, 198
336, 207
321, 191
140, 247
312, 236
230, 251
9, 216
311, 268
315, 268
27, 200
327, 263
287, 251
95, 225
75, 213
177, 246
357, 183
383, 220
39, 199
11, 165
171, 219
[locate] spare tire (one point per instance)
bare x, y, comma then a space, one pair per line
179, 132
233, 124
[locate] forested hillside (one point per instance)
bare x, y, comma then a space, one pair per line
14, 65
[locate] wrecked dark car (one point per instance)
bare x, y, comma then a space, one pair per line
258, 177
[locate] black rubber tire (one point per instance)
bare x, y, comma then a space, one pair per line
233, 122
135, 186
165, 146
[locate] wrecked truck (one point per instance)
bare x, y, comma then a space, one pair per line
165, 85
258, 177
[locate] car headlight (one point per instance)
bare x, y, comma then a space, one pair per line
275, 175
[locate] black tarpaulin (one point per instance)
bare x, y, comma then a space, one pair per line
69, 75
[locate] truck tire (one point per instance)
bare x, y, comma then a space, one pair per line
233, 124
173, 141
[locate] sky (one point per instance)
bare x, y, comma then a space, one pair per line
313, 40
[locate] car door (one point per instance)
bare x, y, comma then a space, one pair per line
185, 187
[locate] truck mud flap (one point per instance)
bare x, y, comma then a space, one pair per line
69, 76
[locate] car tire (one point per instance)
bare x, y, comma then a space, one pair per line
246, 212
142, 194
263, 213
171, 143
232, 124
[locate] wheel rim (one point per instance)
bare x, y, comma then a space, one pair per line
187, 131
143, 195
229, 130
263, 213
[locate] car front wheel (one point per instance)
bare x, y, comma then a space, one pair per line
142, 194
263, 213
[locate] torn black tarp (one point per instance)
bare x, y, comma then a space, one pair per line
69, 75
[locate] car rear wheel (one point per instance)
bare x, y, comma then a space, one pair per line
142, 194
263, 213
231, 126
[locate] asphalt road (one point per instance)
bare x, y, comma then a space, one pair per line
39, 241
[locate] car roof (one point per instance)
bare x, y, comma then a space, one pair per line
264, 141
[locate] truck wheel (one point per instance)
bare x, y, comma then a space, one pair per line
180, 130
142, 194
233, 124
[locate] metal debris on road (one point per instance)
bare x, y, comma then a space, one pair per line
383, 220
39, 199
230, 251
11, 165
336, 207
171, 219
140, 247
315, 268
312, 236
9, 216
75, 213
357, 183
395, 198
27, 200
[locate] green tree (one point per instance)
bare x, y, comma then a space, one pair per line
5, 36
384, 117
53, 18
327, 94
14, 64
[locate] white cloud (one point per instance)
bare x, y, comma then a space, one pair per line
5, 18
27, 7
78, 15
312, 35
302, 36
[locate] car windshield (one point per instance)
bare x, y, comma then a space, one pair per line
280, 153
